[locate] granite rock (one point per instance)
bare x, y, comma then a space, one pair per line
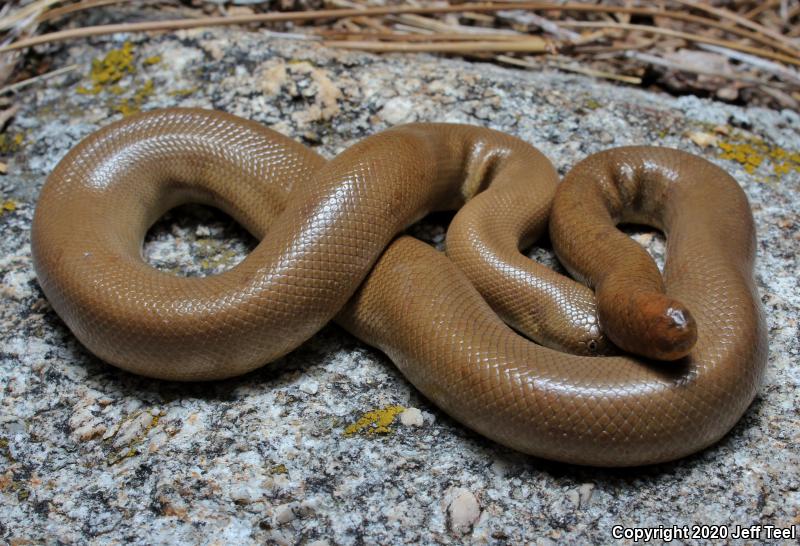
92, 455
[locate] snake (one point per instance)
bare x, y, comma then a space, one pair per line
617, 364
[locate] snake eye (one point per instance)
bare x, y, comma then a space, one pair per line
592, 345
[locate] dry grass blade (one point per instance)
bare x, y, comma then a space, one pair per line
24, 83
435, 25
529, 45
529, 19
7, 114
644, 44
685, 67
25, 13
688, 37
578, 70
738, 19
338, 35
758, 10
766, 66
55, 13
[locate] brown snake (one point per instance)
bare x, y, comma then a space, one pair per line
326, 226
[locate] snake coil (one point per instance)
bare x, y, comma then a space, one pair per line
329, 249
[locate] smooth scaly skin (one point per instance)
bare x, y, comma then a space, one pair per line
328, 224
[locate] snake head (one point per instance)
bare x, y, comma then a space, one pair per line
599, 346
595, 343
649, 324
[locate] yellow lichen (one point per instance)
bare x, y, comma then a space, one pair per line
5, 451
10, 144
129, 106
108, 75
110, 69
751, 153
182, 92
593, 104
17, 487
9, 205
279, 469
377, 421
132, 448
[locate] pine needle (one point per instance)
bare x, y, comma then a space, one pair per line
47, 75
578, 70
533, 44
686, 36
738, 19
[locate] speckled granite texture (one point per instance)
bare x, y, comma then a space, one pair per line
92, 455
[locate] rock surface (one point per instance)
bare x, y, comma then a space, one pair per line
300, 451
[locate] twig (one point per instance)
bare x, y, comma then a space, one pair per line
586, 71
375, 25
683, 67
686, 36
439, 26
47, 75
784, 99
759, 9
341, 35
25, 13
762, 64
612, 48
7, 114
530, 45
529, 19
743, 21
55, 13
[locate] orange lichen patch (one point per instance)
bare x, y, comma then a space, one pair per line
377, 421
751, 153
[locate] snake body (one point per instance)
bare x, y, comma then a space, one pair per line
329, 250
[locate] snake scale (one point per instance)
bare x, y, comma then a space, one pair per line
693, 339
